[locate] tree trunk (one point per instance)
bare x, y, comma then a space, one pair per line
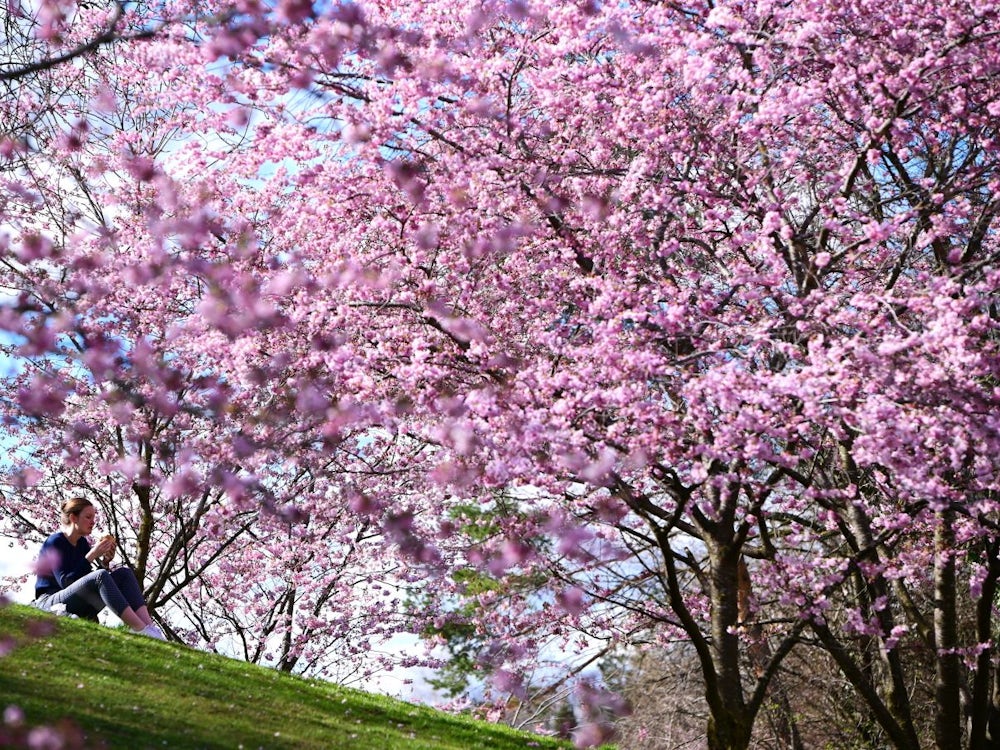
948, 721
144, 534
729, 725
985, 718
728, 733
287, 661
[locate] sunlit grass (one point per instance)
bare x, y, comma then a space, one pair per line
129, 691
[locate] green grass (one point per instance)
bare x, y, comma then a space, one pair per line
129, 691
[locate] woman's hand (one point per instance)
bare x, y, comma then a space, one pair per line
104, 550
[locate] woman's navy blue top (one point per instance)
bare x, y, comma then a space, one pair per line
62, 563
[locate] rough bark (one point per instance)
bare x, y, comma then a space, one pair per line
947, 687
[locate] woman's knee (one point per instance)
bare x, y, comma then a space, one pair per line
123, 574
102, 577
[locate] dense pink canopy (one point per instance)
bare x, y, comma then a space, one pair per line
671, 320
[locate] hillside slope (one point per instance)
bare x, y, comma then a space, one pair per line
127, 691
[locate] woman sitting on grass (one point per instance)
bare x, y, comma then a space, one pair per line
66, 574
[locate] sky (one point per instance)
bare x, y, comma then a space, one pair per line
15, 561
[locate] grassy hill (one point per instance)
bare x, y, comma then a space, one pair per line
129, 691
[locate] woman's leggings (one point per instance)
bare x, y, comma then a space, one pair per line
117, 589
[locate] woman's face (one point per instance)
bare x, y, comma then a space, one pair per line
83, 521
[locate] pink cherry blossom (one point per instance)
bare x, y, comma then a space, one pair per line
617, 323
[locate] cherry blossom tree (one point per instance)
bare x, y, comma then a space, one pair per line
103, 398
709, 289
